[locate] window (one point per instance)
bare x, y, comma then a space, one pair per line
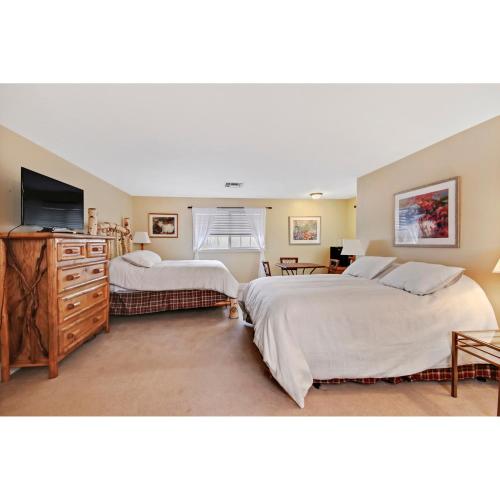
230, 231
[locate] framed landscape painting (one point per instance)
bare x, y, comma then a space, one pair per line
163, 226
427, 216
304, 230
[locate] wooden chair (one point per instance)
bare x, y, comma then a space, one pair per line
288, 260
267, 267
334, 263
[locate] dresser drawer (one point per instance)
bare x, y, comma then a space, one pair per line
97, 249
70, 251
69, 277
75, 304
73, 333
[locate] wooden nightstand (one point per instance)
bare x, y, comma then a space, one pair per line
484, 345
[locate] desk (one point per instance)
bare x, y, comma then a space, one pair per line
292, 268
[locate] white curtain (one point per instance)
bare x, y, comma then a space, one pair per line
257, 221
203, 219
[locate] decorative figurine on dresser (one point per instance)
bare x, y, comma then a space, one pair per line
54, 295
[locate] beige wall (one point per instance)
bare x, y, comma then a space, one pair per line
351, 218
17, 151
244, 266
474, 155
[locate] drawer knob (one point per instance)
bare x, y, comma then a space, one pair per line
69, 250
72, 277
96, 249
97, 271
97, 319
97, 294
73, 305
72, 335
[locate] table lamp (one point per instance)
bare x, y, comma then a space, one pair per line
352, 248
496, 269
141, 237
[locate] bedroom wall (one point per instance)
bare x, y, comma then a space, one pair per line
351, 217
17, 151
244, 265
474, 155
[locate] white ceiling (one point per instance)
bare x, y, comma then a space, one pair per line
281, 141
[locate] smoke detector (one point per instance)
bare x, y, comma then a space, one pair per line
234, 184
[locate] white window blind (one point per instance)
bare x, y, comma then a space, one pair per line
230, 230
231, 221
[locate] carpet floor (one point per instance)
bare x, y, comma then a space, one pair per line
201, 363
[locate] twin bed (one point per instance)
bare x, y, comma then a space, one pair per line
169, 285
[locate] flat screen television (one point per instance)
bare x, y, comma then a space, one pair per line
50, 203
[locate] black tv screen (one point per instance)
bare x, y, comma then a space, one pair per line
50, 203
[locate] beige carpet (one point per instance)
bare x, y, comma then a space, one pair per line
201, 363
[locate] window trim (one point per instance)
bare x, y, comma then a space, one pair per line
230, 250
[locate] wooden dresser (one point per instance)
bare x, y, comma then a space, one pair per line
54, 295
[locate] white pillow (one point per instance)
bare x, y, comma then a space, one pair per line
369, 267
421, 278
142, 258
388, 270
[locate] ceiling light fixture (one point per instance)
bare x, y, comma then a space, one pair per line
316, 196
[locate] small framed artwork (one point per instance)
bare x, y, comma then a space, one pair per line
428, 216
163, 225
304, 230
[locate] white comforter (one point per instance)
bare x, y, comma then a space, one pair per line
334, 326
174, 275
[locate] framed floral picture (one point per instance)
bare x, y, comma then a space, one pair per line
163, 225
428, 216
304, 230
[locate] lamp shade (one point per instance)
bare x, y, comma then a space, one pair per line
496, 269
352, 247
141, 237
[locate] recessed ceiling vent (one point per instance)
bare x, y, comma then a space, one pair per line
234, 184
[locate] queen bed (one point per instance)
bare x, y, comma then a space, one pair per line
142, 283
333, 328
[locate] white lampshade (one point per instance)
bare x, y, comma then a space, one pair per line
353, 247
141, 237
496, 269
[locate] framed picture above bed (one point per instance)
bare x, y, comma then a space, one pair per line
428, 216
163, 225
304, 230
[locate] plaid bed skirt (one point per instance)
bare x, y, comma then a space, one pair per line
131, 303
433, 375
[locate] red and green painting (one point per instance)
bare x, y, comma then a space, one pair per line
429, 212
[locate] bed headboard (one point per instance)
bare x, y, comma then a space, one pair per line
122, 234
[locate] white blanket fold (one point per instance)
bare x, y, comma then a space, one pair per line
174, 275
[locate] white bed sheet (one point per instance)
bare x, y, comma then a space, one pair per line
173, 275
335, 326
